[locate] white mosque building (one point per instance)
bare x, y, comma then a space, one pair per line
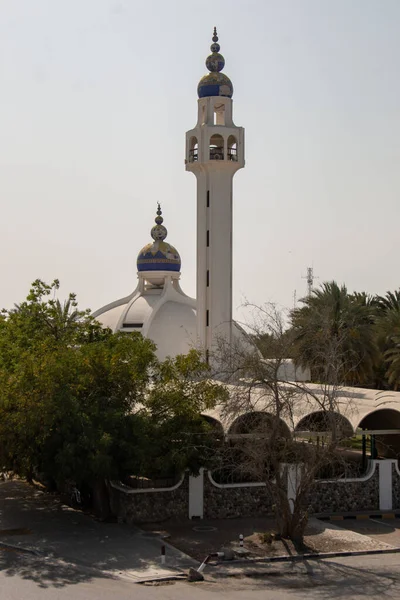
161, 311
158, 307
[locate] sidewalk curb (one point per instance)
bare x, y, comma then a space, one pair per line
359, 516
22, 549
303, 557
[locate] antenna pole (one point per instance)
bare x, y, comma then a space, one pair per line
310, 280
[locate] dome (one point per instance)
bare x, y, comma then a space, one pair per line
159, 255
215, 83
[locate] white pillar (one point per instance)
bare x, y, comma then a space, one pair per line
214, 224
385, 484
196, 495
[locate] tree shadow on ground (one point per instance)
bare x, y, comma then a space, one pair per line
44, 572
325, 580
333, 579
72, 546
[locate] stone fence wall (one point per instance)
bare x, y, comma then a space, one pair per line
150, 505
395, 487
346, 495
235, 500
202, 497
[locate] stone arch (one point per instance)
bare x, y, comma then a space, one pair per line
257, 422
387, 445
216, 147
326, 421
193, 149
216, 427
232, 148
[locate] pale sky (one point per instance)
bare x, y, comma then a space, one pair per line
95, 99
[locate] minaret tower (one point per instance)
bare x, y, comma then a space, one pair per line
214, 152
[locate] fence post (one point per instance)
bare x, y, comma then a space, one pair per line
385, 483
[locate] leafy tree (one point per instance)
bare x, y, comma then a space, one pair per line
78, 403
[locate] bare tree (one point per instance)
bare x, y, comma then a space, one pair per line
264, 410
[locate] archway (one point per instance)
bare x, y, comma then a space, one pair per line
383, 445
232, 148
193, 150
326, 422
216, 147
258, 423
216, 428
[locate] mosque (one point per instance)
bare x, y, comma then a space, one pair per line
158, 307
161, 311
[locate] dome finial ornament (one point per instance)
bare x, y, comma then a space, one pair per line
159, 255
159, 232
215, 83
159, 218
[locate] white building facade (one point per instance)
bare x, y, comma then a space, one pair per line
158, 308
214, 152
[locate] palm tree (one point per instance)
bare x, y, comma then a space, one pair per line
334, 335
392, 356
388, 337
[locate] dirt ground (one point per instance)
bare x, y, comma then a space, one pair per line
200, 538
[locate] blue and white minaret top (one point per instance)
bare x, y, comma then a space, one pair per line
158, 255
215, 83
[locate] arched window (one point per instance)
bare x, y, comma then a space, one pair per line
193, 150
219, 114
217, 147
232, 148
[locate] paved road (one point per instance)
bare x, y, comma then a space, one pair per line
384, 530
32, 519
351, 578
71, 543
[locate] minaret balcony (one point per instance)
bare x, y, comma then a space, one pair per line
216, 153
232, 154
193, 155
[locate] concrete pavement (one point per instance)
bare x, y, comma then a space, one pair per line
100, 561
37, 521
351, 578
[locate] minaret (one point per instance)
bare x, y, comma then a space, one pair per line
214, 152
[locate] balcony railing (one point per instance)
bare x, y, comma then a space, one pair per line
193, 155
232, 154
216, 153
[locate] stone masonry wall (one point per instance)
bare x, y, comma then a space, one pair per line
151, 507
222, 503
395, 488
345, 496
232, 502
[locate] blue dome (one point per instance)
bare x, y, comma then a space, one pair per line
159, 255
215, 83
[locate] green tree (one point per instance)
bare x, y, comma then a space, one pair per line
78, 403
388, 338
333, 323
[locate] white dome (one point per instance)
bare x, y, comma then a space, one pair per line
173, 327
164, 314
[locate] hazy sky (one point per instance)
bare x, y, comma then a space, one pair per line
95, 99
